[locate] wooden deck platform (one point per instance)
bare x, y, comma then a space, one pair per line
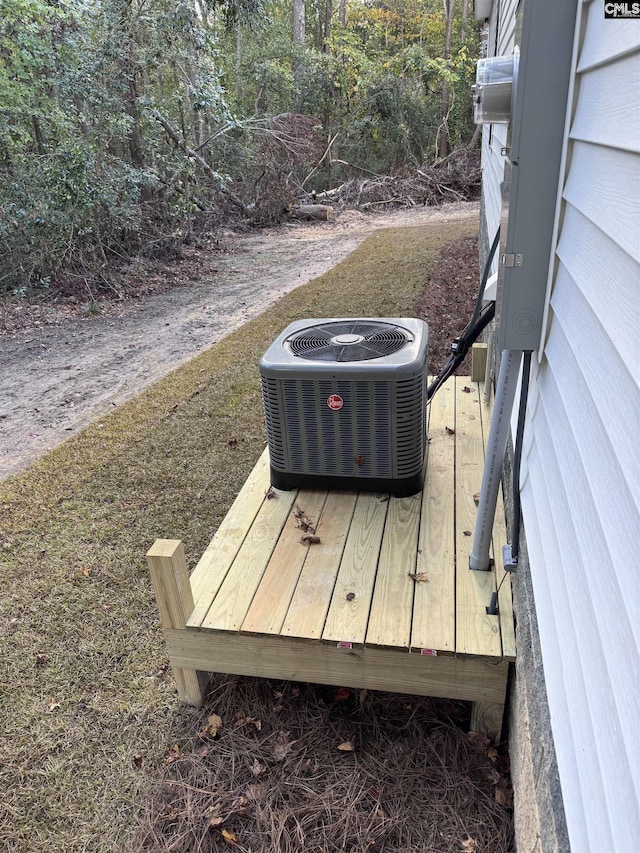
385, 600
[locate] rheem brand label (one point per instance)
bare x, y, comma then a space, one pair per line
335, 402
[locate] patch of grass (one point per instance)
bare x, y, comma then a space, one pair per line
88, 708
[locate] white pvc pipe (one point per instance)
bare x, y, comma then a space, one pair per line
486, 394
494, 459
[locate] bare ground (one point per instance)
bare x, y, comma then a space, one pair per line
63, 366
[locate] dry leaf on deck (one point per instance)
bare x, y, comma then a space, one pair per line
418, 577
308, 539
450, 430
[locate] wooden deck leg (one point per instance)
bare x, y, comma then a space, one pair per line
170, 580
478, 362
487, 717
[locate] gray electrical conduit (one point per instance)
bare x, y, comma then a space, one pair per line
494, 459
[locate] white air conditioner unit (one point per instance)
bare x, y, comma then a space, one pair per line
345, 404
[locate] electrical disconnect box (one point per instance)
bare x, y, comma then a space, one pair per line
529, 91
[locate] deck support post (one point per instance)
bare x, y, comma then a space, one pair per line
487, 717
170, 580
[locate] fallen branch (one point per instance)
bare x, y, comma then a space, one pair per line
174, 135
313, 211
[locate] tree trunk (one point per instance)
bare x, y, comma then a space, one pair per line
342, 12
328, 12
443, 148
238, 60
298, 22
298, 45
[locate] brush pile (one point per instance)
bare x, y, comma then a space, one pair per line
455, 179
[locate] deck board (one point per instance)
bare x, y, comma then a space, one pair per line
236, 592
310, 603
434, 625
349, 609
505, 599
392, 605
476, 631
278, 583
214, 564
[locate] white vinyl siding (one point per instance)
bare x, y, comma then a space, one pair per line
580, 481
581, 466
494, 137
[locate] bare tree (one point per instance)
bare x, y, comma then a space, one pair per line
298, 22
444, 126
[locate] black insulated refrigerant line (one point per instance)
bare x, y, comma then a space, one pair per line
480, 319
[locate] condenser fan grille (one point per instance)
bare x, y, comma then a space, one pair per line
355, 340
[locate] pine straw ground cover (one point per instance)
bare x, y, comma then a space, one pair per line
97, 755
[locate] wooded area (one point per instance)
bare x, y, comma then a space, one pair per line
132, 126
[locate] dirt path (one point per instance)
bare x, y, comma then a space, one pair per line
58, 377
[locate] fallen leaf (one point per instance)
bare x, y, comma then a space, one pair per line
341, 694
467, 532
468, 845
480, 739
419, 577
347, 746
86, 571
233, 442
137, 761
476, 498
466, 389
255, 792
242, 720
450, 430
42, 659
216, 821
270, 494
213, 726
308, 539
504, 793
282, 746
303, 521
173, 755
229, 837
163, 670
257, 768
53, 706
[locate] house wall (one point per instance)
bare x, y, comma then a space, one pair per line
579, 664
